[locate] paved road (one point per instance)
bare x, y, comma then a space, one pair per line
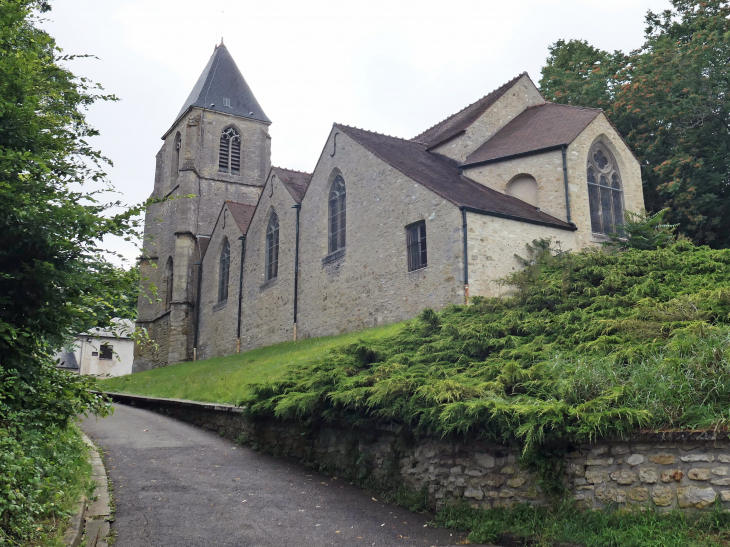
177, 486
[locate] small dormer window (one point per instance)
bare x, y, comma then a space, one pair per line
226, 101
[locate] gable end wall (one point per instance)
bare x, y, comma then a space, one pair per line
514, 101
371, 284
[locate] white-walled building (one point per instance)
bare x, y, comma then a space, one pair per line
101, 352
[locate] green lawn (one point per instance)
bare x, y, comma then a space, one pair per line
227, 379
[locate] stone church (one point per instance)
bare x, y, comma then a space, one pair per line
242, 254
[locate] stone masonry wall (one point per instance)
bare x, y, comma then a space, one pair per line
172, 227
689, 471
218, 319
577, 158
370, 283
547, 170
513, 102
492, 245
268, 315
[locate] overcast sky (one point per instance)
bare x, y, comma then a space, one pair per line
392, 66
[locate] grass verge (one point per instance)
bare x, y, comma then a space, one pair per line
227, 379
563, 524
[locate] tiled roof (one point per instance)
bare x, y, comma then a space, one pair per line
543, 126
464, 118
443, 177
296, 182
221, 80
242, 214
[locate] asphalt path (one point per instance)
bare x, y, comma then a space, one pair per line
176, 485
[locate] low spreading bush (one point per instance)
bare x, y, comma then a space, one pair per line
589, 344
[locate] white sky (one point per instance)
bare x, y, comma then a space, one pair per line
392, 66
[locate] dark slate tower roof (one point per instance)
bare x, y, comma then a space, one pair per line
221, 80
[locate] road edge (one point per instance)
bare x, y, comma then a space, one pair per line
91, 522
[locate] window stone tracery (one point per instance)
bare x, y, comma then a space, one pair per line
605, 191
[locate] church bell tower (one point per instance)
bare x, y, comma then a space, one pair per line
217, 149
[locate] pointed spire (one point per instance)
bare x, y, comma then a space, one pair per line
221, 87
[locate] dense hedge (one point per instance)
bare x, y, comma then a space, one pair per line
590, 344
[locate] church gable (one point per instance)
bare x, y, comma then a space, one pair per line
444, 178
460, 134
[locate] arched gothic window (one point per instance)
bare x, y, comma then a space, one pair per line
337, 215
605, 192
224, 266
175, 162
229, 158
168, 283
272, 247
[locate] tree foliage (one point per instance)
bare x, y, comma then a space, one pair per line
669, 100
55, 279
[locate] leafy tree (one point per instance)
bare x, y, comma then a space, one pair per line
669, 100
54, 278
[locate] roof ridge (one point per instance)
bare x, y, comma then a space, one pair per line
292, 170
471, 104
566, 106
411, 141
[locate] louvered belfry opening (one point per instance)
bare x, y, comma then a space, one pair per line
229, 158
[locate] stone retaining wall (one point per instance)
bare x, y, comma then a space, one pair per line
689, 471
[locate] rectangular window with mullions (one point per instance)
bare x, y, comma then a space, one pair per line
416, 241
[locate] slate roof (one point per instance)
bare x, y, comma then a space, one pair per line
242, 214
539, 127
296, 182
221, 79
443, 177
458, 122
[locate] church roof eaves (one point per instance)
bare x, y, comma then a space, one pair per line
448, 128
443, 177
221, 79
538, 128
296, 182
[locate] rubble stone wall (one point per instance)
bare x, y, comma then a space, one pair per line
688, 471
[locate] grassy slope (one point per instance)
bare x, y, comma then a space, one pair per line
227, 379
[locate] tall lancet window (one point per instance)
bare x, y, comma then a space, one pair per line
229, 157
605, 192
224, 266
272, 248
337, 215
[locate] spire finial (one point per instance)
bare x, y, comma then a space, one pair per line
222, 40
